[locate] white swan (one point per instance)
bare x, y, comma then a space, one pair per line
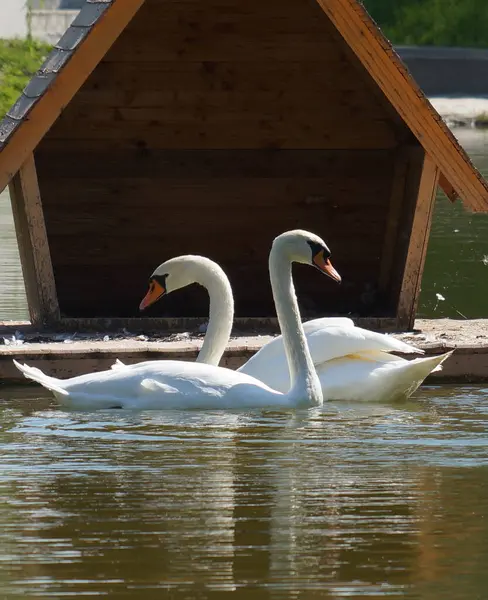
352, 363
177, 384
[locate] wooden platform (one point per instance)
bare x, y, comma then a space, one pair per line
67, 357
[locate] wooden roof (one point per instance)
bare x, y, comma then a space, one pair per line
100, 22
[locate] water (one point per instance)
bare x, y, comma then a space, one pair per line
349, 501
456, 265
457, 259
13, 303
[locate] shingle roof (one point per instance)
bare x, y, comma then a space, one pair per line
62, 52
100, 22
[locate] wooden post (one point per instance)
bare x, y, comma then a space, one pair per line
33, 245
417, 245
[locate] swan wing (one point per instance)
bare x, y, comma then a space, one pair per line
159, 385
364, 378
326, 342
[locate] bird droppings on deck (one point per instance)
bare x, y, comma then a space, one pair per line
426, 331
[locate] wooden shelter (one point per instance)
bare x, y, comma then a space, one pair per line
164, 127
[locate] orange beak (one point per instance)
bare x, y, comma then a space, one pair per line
324, 265
154, 293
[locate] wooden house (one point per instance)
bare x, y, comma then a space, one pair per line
165, 127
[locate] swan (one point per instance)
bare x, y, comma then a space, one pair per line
352, 363
178, 384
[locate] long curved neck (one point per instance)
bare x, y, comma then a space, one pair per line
305, 385
221, 312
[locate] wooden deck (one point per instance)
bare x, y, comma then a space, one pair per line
468, 364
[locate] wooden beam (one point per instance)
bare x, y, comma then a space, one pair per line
33, 246
447, 188
65, 85
417, 246
387, 70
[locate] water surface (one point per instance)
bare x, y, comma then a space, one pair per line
348, 501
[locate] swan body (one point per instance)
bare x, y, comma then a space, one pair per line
375, 376
168, 384
352, 363
179, 384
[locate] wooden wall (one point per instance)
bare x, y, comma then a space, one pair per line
210, 128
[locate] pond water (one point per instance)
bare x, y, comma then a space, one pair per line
346, 501
456, 265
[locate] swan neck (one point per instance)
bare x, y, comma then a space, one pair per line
304, 381
221, 314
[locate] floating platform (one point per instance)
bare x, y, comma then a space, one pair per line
67, 355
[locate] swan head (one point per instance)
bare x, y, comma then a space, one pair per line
306, 248
177, 273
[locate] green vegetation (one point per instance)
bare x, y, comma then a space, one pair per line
19, 60
432, 22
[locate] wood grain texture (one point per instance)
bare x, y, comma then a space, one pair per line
210, 130
107, 235
33, 246
417, 247
64, 87
236, 77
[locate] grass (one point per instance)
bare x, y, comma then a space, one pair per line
19, 60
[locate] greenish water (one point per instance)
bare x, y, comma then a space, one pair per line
457, 259
456, 265
349, 501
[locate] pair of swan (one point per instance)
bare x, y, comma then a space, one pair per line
348, 362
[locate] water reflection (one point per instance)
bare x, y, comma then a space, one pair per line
345, 501
13, 303
457, 259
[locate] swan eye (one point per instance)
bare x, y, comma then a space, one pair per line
318, 250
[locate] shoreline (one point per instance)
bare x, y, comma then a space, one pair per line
462, 112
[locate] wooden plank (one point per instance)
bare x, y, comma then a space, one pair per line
221, 107
447, 188
238, 31
397, 197
417, 247
148, 250
64, 87
114, 96
283, 129
140, 84
171, 325
33, 246
208, 171
232, 18
223, 104
209, 46
384, 66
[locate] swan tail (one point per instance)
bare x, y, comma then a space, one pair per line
50, 383
438, 360
415, 372
118, 364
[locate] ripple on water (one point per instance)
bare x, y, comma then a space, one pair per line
349, 500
